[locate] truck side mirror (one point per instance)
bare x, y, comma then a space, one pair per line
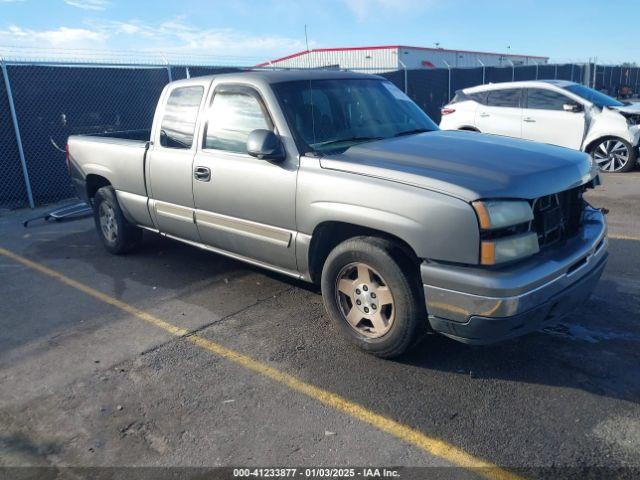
265, 144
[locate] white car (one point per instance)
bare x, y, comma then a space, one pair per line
552, 111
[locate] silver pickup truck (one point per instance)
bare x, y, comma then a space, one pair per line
341, 180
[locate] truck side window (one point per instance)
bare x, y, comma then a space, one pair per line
232, 116
179, 121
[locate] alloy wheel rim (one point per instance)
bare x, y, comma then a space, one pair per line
611, 155
108, 222
365, 300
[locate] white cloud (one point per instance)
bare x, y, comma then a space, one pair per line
62, 37
178, 36
173, 37
88, 4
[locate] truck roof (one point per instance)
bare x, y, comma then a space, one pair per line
278, 76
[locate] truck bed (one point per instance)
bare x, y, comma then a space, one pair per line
117, 156
138, 135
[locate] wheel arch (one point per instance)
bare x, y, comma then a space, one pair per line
469, 128
328, 234
595, 141
95, 182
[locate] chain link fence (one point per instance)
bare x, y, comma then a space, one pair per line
616, 80
13, 190
52, 100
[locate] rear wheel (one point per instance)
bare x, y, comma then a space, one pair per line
372, 293
614, 155
117, 234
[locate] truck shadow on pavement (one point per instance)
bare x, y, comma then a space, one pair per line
18, 450
595, 349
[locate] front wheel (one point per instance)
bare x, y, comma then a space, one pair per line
372, 293
614, 155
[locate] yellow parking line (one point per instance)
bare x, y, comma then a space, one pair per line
409, 435
616, 236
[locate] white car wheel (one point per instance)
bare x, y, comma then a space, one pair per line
614, 155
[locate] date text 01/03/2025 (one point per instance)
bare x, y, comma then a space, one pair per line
315, 472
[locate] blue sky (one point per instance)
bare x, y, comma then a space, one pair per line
259, 30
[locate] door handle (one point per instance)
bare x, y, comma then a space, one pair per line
484, 114
202, 174
529, 120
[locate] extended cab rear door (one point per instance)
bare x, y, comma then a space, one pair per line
501, 114
244, 205
170, 159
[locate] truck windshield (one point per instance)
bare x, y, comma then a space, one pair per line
333, 115
594, 96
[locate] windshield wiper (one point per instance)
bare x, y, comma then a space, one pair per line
411, 132
348, 139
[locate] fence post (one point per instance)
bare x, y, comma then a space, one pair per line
572, 65
555, 72
16, 129
449, 90
166, 63
536, 67
406, 80
621, 69
611, 78
483, 69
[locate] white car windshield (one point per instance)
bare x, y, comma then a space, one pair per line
594, 96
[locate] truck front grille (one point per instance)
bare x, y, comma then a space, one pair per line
558, 217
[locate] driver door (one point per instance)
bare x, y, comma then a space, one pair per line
244, 205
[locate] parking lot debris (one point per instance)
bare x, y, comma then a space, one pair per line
68, 212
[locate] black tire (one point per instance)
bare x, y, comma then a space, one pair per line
610, 166
398, 273
127, 236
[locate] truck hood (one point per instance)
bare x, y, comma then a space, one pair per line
468, 165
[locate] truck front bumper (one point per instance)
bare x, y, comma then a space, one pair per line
483, 305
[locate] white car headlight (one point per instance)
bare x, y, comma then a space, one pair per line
494, 214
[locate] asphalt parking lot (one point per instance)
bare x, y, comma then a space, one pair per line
175, 356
